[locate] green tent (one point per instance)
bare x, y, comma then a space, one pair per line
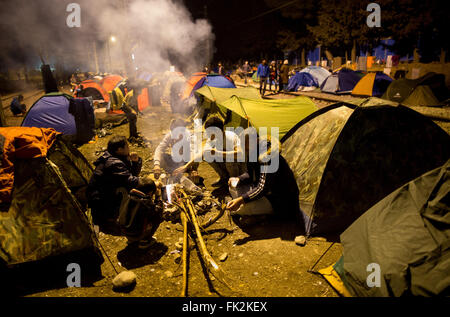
219, 95
281, 113
422, 96
255, 78
241, 107
45, 227
401, 89
345, 158
407, 236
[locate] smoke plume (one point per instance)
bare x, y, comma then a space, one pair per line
149, 35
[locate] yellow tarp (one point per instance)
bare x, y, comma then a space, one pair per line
335, 281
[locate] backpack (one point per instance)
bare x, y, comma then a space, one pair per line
139, 216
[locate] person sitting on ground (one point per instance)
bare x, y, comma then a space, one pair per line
164, 157
262, 191
17, 107
116, 168
217, 147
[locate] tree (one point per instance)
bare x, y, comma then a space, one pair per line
415, 23
293, 34
341, 25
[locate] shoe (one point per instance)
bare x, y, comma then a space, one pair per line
219, 183
146, 243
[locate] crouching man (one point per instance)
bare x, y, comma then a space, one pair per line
117, 171
267, 189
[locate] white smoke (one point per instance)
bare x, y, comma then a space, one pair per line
158, 33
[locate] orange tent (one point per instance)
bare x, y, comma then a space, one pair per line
21, 143
99, 89
109, 82
190, 84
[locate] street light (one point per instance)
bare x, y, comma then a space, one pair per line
113, 39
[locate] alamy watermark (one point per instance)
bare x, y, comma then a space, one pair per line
374, 278
230, 146
373, 19
74, 17
74, 278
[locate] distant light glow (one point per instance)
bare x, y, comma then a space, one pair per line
113, 39
132, 57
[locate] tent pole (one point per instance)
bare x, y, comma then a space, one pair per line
2, 114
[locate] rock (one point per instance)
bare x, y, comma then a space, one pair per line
124, 279
241, 255
300, 240
223, 257
177, 258
168, 274
255, 273
179, 246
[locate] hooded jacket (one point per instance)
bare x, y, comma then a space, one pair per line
112, 172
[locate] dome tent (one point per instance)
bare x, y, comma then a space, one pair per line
199, 80
73, 117
302, 82
43, 224
399, 90
341, 82
372, 84
319, 73
414, 217
346, 158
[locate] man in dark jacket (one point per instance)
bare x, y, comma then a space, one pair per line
284, 76
17, 107
117, 167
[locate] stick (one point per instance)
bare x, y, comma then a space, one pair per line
213, 266
185, 249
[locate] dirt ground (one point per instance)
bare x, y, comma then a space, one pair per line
262, 260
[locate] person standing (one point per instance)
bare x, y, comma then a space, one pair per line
221, 70
262, 73
131, 109
284, 75
273, 75
246, 70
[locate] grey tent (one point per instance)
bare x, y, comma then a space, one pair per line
345, 158
407, 235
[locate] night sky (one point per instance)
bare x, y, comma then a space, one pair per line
240, 32
243, 29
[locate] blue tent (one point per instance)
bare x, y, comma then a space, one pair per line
217, 81
68, 115
145, 76
341, 82
300, 80
319, 73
